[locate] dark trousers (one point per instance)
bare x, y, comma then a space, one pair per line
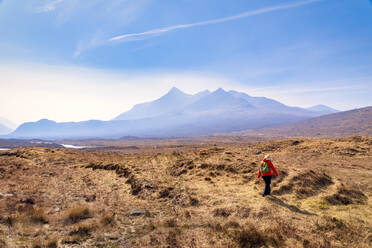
267, 180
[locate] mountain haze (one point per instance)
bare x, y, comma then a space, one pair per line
178, 102
7, 123
4, 130
322, 109
173, 101
177, 114
341, 124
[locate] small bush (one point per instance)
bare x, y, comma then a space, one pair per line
346, 196
10, 220
170, 223
83, 230
108, 219
37, 244
215, 226
194, 201
249, 237
78, 213
74, 239
52, 243
172, 239
338, 199
38, 216
223, 212
231, 224
3, 243
331, 224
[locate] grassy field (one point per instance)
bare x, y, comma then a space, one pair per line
157, 194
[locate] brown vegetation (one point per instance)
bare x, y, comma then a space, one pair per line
342, 124
77, 214
188, 195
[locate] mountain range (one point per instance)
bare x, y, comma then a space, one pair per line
180, 114
178, 102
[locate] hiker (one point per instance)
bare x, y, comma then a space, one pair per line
265, 171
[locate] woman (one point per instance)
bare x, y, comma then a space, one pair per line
265, 170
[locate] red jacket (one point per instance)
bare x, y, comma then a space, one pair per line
271, 168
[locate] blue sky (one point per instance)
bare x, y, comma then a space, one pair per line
100, 57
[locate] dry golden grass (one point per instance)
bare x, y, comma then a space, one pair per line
77, 214
83, 229
37, 216
108, 219
51, 242
190, 195
3, 244
37, 244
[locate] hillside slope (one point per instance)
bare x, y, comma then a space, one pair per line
342, 124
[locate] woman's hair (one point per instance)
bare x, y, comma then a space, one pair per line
267, 157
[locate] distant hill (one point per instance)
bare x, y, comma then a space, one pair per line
177, 114
341, 124
322, 109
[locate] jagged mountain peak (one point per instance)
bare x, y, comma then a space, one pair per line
175, 91
177, 113
220, 91
170, 102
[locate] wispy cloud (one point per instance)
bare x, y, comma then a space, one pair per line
159, 31
315, 89
347, 84
50, 6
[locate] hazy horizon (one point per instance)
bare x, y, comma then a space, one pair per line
60, 62
151, 100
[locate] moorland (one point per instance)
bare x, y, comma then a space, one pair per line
188, 194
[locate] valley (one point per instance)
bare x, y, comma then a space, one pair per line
148, 124
188, 194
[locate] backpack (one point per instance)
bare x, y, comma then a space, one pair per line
265, 167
